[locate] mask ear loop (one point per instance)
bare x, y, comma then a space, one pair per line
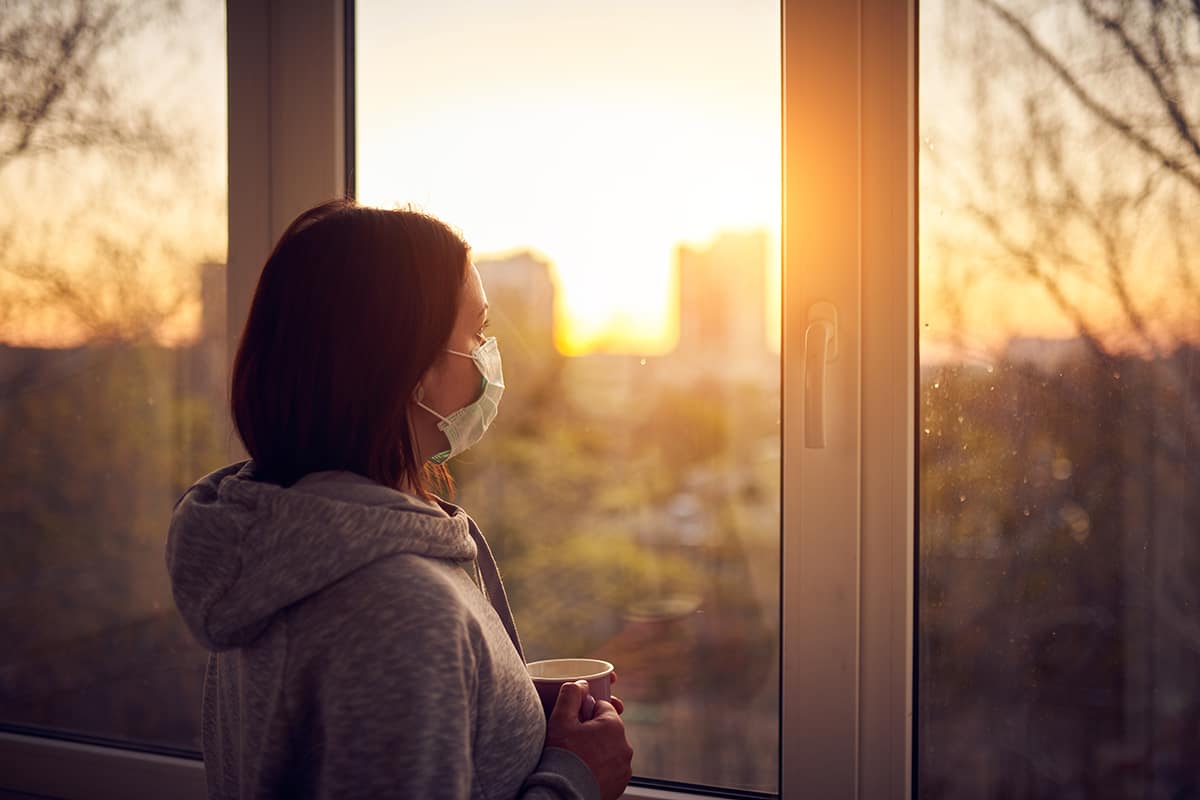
489, 340
417, 395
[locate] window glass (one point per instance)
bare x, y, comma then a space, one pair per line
1059, 642
616, 169
112, 353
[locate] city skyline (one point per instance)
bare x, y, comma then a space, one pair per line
531, 132
188, 325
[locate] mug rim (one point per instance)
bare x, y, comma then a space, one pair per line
607, 670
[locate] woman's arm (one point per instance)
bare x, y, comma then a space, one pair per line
396, 705
392, 693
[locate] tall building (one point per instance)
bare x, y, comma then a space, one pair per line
723, 308
1047, 355
521, 297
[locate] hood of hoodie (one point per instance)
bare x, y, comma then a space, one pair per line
239, 550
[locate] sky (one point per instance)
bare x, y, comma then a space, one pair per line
599, 136
74, 208
974, 298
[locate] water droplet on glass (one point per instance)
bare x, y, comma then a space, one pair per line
1077, 521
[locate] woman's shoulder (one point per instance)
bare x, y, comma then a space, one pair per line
400, 609
397, 586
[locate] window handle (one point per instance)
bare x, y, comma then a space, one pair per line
820, 348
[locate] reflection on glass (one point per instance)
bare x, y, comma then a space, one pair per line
1059, 643
112, 249
620, 188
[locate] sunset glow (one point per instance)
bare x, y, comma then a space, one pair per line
537, 136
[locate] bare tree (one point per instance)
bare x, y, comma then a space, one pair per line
68, 108
56, 95
1071, 175
1084, 132
1082, 164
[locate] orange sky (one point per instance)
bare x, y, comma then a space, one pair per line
600, 137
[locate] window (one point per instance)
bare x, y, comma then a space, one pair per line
620, 190
1058, 649
842, 567
112, 355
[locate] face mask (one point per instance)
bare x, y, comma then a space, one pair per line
466, 426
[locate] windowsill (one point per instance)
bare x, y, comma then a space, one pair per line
55, 768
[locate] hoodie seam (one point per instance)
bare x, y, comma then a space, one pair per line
472, 645
286, 619
233, 581
409, 507
376, 518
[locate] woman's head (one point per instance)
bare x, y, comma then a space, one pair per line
352, 310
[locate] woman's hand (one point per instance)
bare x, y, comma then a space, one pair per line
600, 741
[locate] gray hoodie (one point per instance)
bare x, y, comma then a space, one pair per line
362, 646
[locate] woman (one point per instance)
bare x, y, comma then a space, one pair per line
362, 644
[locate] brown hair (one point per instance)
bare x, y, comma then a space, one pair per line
352, 307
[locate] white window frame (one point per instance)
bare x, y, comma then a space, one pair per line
849, 94
849, 100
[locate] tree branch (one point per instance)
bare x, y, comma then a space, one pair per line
54, 93
1102, 112
1165, 95
1030, 263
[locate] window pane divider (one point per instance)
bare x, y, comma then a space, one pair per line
849, 133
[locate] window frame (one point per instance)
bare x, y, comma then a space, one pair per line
848, 510
849, 87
